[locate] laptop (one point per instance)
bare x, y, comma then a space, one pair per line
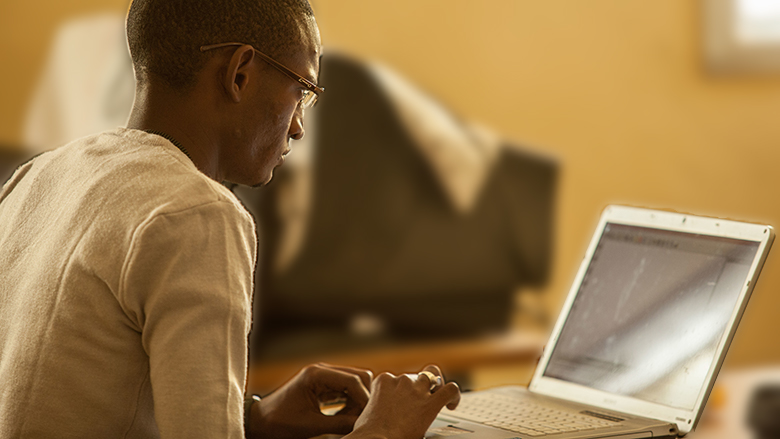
641, 336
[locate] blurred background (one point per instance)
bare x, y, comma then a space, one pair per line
653, 103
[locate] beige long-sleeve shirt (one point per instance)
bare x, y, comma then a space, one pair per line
125, 294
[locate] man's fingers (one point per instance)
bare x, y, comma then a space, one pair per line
448, 395
366, 376
426, 380
329, 378
442, 394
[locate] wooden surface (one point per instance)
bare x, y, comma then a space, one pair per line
456, 358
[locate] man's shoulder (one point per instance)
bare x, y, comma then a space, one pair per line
144, 174
106, 187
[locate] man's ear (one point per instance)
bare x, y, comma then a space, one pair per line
238, 72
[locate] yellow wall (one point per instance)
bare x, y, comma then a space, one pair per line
616, 89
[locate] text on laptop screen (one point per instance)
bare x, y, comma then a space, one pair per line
650, 312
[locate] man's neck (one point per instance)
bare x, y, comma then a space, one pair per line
177, 117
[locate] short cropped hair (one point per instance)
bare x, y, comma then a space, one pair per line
165, 36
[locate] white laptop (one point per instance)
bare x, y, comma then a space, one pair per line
641, 337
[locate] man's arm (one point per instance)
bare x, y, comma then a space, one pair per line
187, 286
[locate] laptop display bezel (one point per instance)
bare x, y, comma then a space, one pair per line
661, 220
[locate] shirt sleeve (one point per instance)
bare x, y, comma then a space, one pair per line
187, 284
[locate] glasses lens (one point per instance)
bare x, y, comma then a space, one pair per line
309, 99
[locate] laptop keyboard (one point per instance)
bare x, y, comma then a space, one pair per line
525, 417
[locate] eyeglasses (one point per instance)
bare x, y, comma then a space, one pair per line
312, 91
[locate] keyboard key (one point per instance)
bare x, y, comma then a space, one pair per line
524, 417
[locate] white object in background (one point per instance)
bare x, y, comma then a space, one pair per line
741, 36
758, 21
87, 85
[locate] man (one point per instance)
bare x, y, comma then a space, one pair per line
126, 266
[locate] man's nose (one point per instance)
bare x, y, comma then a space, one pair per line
296, 125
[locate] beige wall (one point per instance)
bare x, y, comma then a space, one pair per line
614, 88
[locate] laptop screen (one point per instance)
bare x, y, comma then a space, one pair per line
650, 312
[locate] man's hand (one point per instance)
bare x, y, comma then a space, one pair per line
403, 407
293, 410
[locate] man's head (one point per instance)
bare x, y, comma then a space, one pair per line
249, 106
164, 36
